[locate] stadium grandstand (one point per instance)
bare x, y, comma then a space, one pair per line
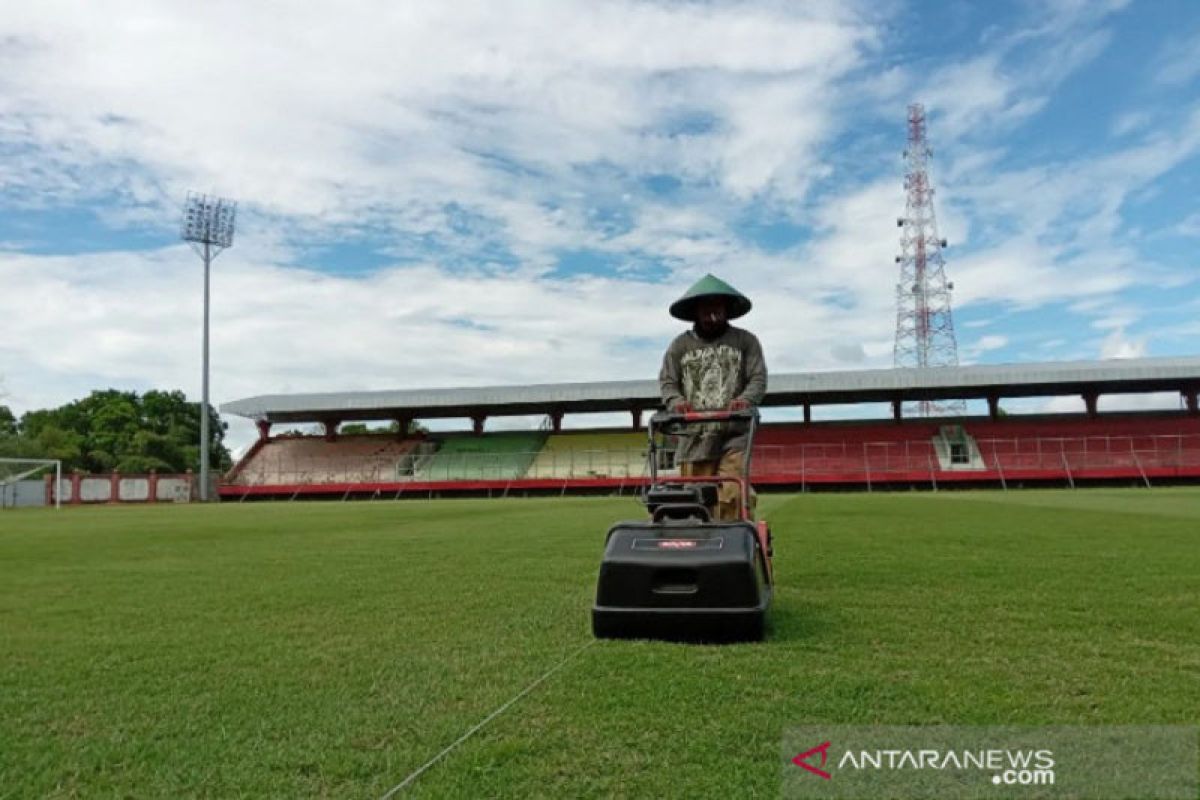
992, 449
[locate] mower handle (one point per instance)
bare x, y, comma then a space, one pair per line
663, 419
691, 417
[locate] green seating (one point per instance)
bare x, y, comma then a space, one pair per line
505, 454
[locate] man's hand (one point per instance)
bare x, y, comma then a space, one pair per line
682, 407
739, 404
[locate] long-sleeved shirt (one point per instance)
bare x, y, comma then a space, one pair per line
710, 374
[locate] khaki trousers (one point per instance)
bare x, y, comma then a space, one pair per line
729, 500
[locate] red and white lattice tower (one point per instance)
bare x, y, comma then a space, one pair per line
924, 327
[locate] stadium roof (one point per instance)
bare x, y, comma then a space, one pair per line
1122, 376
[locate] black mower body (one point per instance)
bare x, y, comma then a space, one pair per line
683, 579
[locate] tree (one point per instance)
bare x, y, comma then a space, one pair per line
111, 429
52, 442
8, 423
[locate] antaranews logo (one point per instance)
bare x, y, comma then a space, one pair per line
1007, 767
947, 762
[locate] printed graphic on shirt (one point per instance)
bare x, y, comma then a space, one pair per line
710, 376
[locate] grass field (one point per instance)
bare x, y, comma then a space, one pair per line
327, 650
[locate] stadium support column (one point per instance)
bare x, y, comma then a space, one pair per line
1090, 401
807, 413
331, 429
264, 429
637, 418
403, 426
993, 407
897, 412
477, 424
556, 418
1192, 398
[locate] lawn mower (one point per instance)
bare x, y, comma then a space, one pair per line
681, 575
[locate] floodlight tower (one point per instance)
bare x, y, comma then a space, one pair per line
208, 224
924, 326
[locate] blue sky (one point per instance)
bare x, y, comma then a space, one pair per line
437, 194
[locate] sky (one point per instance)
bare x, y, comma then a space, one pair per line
476, 193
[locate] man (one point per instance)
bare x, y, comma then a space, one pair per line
711, 367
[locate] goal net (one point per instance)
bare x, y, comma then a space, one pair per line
14, 470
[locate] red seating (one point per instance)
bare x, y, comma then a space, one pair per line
846, 432
1107, 446
1050, 448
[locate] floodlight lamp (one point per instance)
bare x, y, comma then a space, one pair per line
209, 220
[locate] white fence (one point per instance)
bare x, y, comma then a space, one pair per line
116, 488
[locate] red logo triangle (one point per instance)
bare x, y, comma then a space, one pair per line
801, 760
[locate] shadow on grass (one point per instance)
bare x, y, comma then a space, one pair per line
785, 622
793, 622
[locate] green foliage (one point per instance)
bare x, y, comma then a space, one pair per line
330, 649
394, 427
114, 430
361, 427
54, 442
8, 423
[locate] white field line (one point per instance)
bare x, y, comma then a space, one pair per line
480, 725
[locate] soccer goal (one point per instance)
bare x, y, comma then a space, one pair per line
13, 470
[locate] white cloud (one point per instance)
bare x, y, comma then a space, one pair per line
978, 323
972, 96
1177, 63
1119, 345
1189, 226
1024, 274
973, 351
1013, 77
1153, 401
133, 320
1115, 318
1064, 404
851, 353
1056, 231
1058, 17
1130, 122
1074, 404
856, 246
384, 111
526, 118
